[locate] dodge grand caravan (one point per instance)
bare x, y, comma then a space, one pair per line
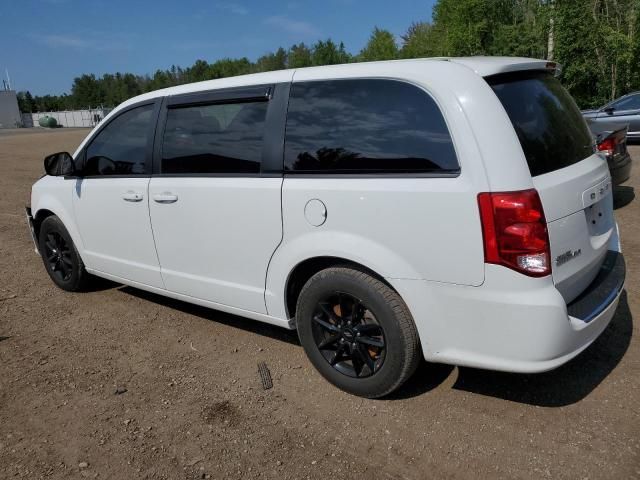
450, 208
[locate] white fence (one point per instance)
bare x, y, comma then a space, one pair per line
68, 118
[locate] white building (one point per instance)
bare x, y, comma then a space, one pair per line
68, 118
9, 111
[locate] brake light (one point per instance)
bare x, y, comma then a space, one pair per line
607, 146
514, 231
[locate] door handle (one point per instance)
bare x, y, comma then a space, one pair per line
132, 197
165, 197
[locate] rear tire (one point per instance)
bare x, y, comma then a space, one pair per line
357, 332
60, 256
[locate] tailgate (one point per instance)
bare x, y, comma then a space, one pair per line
573, 182
578, 204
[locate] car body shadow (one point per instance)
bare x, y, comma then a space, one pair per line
428, 377
99, 284
623, 195
253, 326
563, 386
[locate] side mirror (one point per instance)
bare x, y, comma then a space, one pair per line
609, 110
59, 164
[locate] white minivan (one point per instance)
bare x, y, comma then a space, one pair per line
450, 208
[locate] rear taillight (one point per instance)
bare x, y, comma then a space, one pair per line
515, 231
607, 146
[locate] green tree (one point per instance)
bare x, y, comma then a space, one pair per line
229, 67
596, 41
198, 72
272, 61
381, 46
86, 91
524, 30
420, 40
26, 102
467, 27
328, 53
299, 56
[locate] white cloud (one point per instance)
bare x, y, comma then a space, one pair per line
98, 41
63, 41
290, 25
232, 7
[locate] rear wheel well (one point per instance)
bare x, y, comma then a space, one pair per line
308, 268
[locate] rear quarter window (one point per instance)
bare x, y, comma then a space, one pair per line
366, 126
552, 132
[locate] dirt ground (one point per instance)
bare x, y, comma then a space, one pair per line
194, 406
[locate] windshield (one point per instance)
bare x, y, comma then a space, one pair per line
549, 125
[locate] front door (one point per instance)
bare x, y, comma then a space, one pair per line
216, 216
110, 199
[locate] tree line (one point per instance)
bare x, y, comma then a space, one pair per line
595, 41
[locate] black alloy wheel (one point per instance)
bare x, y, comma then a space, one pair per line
57, 254
357, 331
60, 256
348, 335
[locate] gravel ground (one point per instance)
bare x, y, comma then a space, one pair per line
119, 383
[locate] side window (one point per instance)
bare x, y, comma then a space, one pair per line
121, 147
217, 138
366, 126
632, 102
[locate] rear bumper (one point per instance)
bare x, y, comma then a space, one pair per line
512, 323
599, 295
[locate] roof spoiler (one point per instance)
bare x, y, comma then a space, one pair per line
487, 66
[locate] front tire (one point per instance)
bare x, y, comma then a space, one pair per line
357, 332
60, 256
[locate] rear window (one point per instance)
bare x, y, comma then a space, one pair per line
548, 123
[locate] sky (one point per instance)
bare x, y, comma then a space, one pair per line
47, 43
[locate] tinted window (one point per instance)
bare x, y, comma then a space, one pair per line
632, 102
121, 147
549, 125
352, 126
214, 138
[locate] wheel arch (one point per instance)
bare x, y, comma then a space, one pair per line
304, 270
48, 205
39, 217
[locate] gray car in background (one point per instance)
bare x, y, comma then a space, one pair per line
624, 111
611, 140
